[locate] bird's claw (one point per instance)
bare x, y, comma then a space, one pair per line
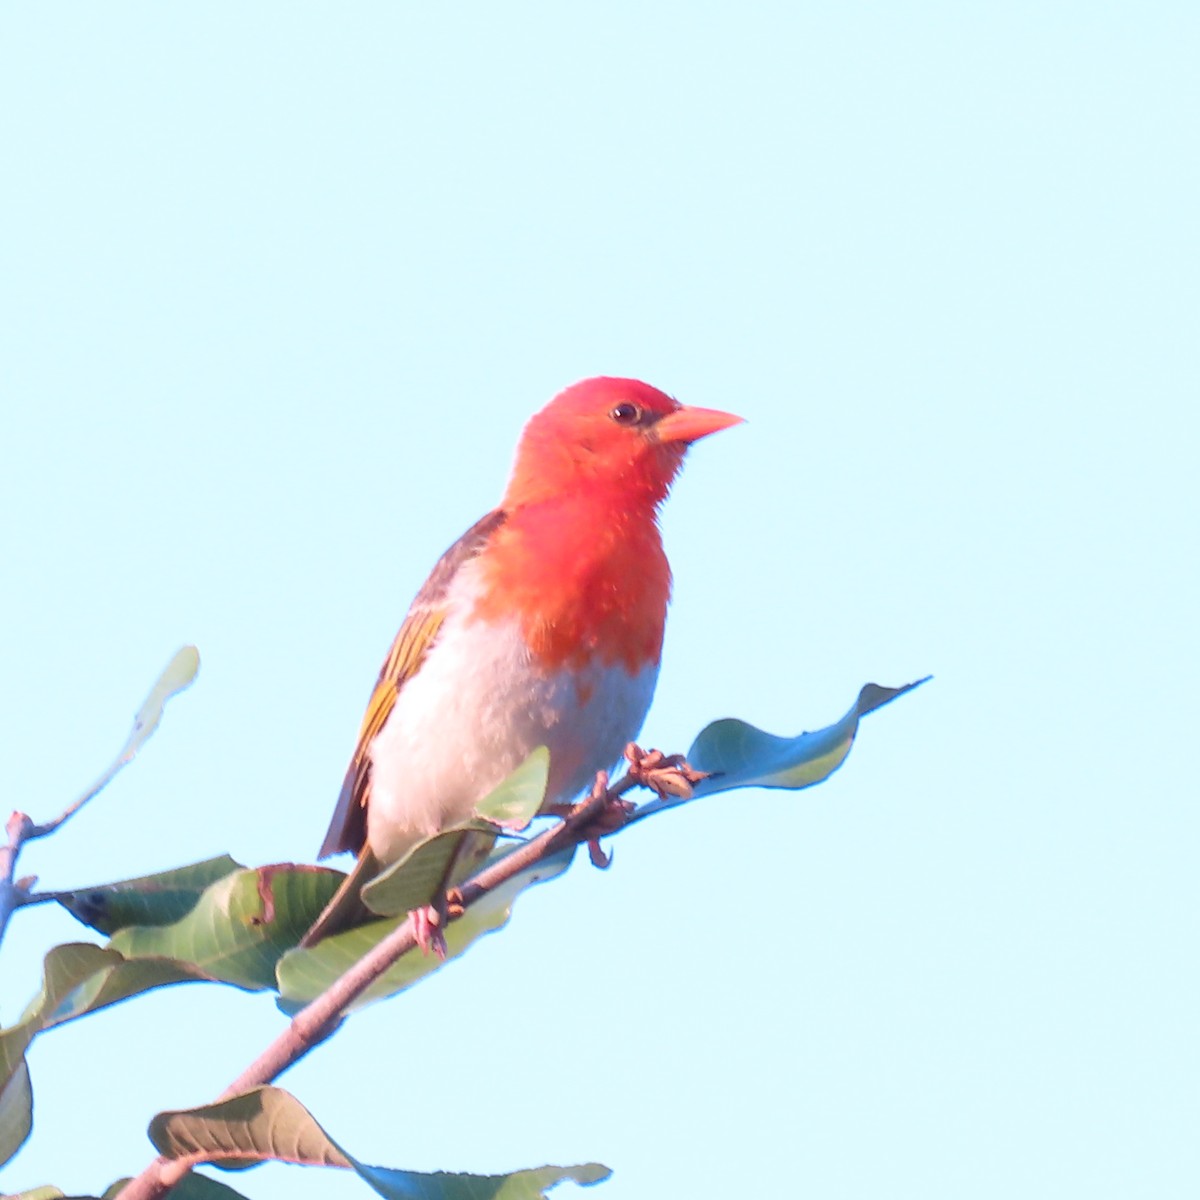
664, 774
427, 930
428, 922
613, 815
600, 858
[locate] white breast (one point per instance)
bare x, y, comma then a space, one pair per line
474, 711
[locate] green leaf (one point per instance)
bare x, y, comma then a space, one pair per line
305, 974
516, 801
200, 1187
177, 675
148, 900
520, 1185
80, 978
234, 934
429, 868
738, 755
16, 1111
265, 1124
452, 855
268, 1124
64, 969
193, 1186
240, 926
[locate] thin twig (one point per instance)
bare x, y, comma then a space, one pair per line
12, 895
21, 829
39, 831
314, 1023
176, 676
28, 899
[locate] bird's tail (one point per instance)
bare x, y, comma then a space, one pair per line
346, 908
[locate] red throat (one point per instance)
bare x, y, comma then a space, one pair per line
586, 576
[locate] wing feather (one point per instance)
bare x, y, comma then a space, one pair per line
348, 829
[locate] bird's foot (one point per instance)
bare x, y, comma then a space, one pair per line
600, 858
427, 929
614, 815
664, 774
429, 922
610, 817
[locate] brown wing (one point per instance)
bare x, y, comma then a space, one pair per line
348, 829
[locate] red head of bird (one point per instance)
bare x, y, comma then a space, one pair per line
616, 436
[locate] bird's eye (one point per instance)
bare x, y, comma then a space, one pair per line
626, 414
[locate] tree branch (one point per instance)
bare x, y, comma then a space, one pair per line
314, 1023
21, 829
12, 895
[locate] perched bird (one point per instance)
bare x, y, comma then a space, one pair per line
541, 626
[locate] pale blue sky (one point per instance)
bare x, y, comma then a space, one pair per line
279, 284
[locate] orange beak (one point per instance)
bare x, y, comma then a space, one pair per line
689, 424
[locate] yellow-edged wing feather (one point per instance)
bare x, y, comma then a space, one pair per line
348, 829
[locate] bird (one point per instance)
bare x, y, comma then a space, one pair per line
541, 626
